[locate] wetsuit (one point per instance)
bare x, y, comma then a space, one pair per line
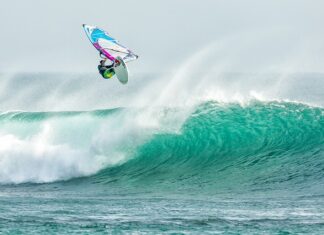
106, 71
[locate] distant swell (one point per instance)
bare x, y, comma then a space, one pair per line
217, 147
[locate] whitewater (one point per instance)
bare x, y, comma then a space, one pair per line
187, 151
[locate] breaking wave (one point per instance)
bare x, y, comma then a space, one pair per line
212, 146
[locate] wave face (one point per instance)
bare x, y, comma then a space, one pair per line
211, 147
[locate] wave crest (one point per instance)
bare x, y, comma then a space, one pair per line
214, 145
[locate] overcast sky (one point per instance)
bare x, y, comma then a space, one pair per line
46, 35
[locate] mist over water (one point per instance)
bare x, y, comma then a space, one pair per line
237, 68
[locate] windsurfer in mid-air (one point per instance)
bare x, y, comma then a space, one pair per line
114, 55
107, 71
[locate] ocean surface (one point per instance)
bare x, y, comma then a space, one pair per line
152, 162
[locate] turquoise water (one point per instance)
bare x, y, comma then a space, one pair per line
213, 168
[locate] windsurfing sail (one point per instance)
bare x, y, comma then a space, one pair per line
108, 46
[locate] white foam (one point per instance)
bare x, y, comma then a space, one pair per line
67, 146
36, 160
